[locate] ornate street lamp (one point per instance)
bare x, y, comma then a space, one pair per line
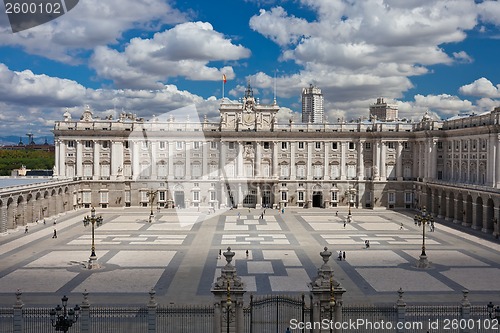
228, 311
332, 302
97, 221
349, 193
493, 311
151, 195
61, 318
423, 219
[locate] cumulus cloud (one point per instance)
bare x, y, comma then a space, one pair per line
89, 24
481, 88
185, 50
359, 50
40, 100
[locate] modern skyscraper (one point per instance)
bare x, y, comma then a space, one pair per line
312, 105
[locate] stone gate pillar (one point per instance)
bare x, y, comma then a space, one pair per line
228, 291
326, 295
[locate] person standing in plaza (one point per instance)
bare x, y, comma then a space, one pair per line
343, 255
340, 255
55, 234
26, 229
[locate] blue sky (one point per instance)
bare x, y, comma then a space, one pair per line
151, 56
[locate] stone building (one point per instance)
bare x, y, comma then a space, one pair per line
248, 159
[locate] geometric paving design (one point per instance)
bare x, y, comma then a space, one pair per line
177, 255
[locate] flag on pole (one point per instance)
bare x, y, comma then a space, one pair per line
224, 78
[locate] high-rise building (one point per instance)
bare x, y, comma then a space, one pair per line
312, 105
384, 111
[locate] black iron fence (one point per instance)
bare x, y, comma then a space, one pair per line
271, 314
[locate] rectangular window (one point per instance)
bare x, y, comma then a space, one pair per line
144, 196
212, 196
71, 144
440, 145
334, 196
230, 145
88, 144
127, 196
351, 145
266, 145
213, 145
301, 145
87, 197
301, 196
179, 145
196, 196
318, 145
196, 145
284, 145
196, 170
284, 170
105, 144
391, 197
145, 144
335, 145
161, 196
390, 145
368, 145
408, 197
406, 145
162, 145
284, 196
87, 170
104, 197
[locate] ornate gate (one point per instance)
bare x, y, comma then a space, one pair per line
272, 314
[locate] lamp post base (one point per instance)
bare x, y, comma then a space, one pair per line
423, 262
92, 263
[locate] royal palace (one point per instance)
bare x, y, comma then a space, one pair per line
248, 159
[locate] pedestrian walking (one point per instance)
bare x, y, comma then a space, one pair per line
26, 230
220, 253
44, 221
246, 252
343, 255
55, 234
337, 213
55, 221
344, 224
401, 227
340, 255
262, 216
367, 243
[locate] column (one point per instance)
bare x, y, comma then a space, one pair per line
62, 158
376, 160
187, 146
258, 158
204, 159
275, 159
223, 160
239, 166
293, 167
79, 158
452, 171
399, 161
170, 160
361, 160
484, 222
478, 155
118, 161
97, 158
309, 160
135, 160
383, 166
3, 218
478, 224
457, 216
496, 163
416, 160
154, 167
57, 158
326, 146
343, 151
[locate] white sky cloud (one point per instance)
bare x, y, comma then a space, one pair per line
185, 50
89, 24
481, 88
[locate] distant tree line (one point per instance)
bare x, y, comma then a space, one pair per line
32, 159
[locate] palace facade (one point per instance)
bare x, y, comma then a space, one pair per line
248, 159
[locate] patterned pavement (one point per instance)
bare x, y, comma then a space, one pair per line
177, 255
